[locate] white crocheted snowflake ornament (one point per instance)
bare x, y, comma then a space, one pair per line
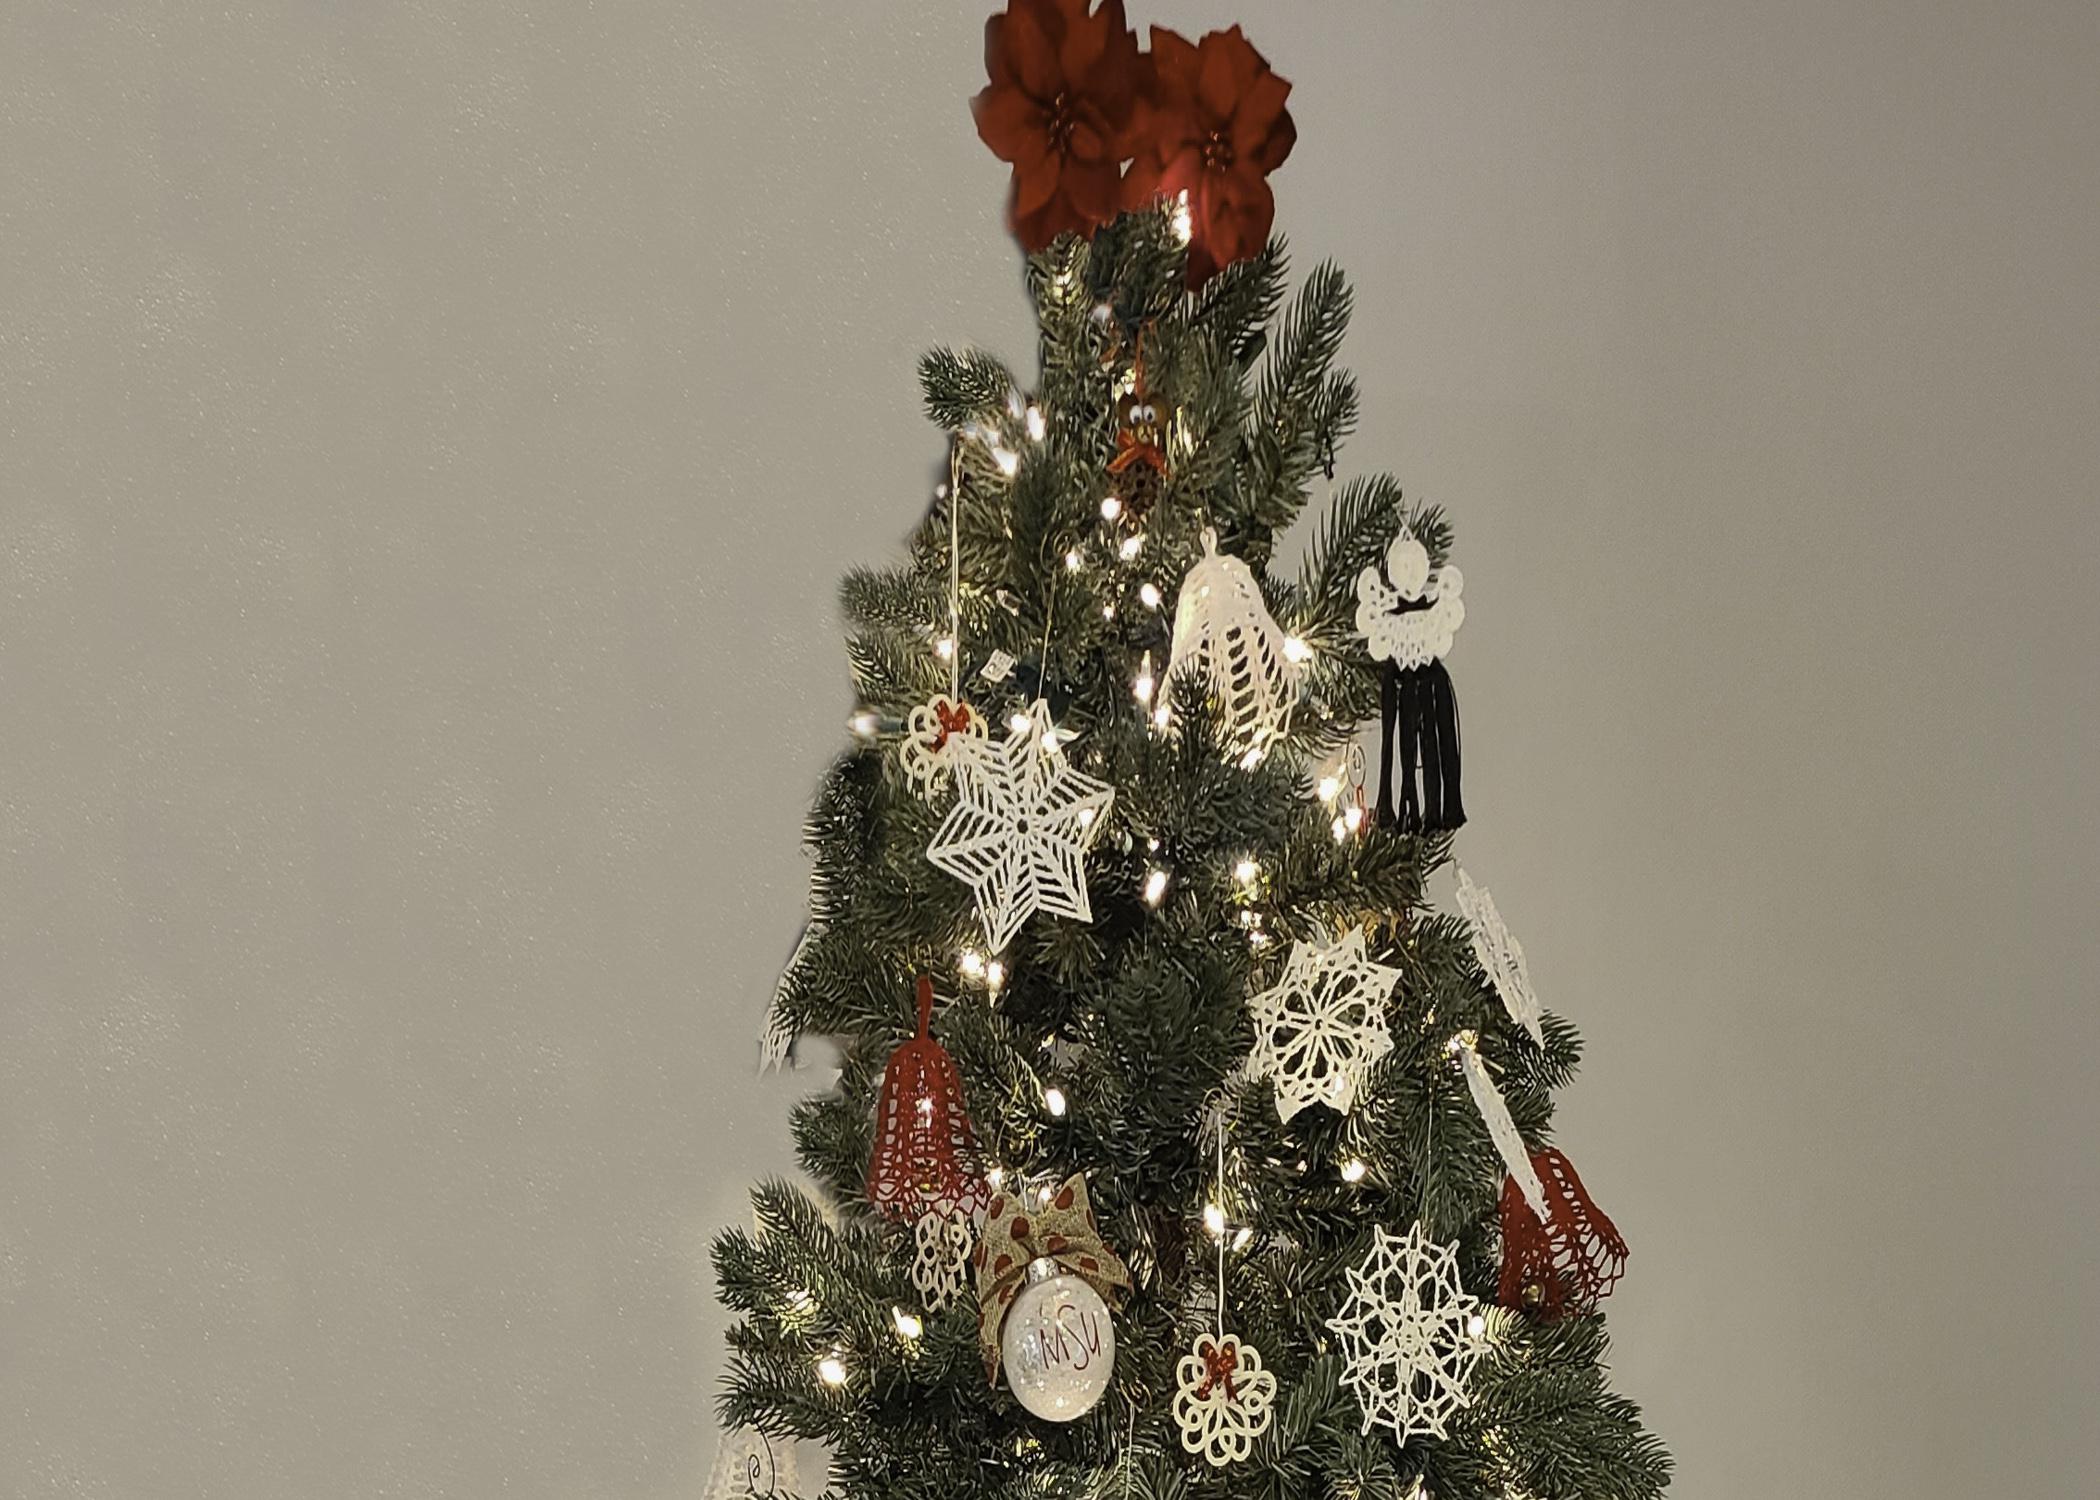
1409, 615
1501, 957
1019, 831
1223, 1398
1322, 1027
940, 1265
1408, 1334
1224, 634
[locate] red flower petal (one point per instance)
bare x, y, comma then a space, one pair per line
1031, 48
1009, 122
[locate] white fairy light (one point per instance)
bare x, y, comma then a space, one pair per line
1330, 787
996, 1176
1155, 887
1476, 1325
1341, 831
1142, 688
1353, 1170
1148, 592
1108, 611
1072, 560
1111, 508
1054, 1101
944, 648
1214, 1220
1019, 723
1252, 758
1354, 817
1009, 462
1036, 425
908, 1324
1246, 872
1131, 544
1053, 740
994, 974
1160, 716
831, 1370
1296, 649
1013, 405
973, 963
1184, 225
864, 724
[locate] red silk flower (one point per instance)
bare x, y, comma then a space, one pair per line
1213, 126
1059, 108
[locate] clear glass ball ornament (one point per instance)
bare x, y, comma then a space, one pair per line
1058, 1346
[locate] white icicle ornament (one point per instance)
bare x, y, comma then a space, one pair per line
1223, 630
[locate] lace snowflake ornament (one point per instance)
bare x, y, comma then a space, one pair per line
1408, 1334
1411, 619
940, 1265
1223, 1399
1019, 831
1224, 634
1501, 957
1321, 1028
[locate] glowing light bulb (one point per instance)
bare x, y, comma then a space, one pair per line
908, 1324
925, 1108
1184, 225
1036, 425
1155, 887
996, 1177
1246, 872
1054, 1101
1072, 560
1214, 1219
1330, 787
864, 724
1111, 508
1148, 593
1476, 1325
1131, 544
973, 963
1019, 724
1086, 817
1341, 830
944, 648
1296, 649
1142, 688
1353, 1170
994, 974
1252, 758
1009, 462
1053, 740
1159, 717
831, 1370
1354, 817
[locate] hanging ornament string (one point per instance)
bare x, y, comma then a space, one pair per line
1221, 1239
955, 568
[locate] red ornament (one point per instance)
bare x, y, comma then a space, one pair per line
1567, 1264
925, 1157
1212, 125
1059, 107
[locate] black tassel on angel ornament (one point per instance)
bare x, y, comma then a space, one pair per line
1408, 612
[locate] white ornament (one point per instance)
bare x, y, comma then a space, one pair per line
997, 667
1319, 1030
1501, 956
1223, 1398
1501, 1127
1223, 632
1020, 828
1409, 616
941, 1260
1058, 1345
776, 1044
937, 734
1406, 1332
751, 1466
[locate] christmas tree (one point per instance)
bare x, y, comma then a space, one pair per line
1180, 1143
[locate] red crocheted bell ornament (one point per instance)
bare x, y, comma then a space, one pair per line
925, 1157
1567, 1264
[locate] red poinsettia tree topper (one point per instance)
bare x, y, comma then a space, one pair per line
1063, 93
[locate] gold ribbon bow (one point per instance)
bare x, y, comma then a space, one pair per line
1063, 1230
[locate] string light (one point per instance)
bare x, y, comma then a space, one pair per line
1330, 787
1142, 688
908, 1324
1054, 1101
1155, 886
1246, 872
1111, 508
1159, 716
994, 975
831, 1370
996, 1177
864, 724
944, 648
973, 963
1036, 425
1252, 758
1072, 560
1296, 650
1353, 1170
1009, 462
1214, 1219
1148, 593
1131, 544
1184, 226
1019, 724
1241, 1240
1476, 1325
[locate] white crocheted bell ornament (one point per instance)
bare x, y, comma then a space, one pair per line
1223, 631
1058, 1345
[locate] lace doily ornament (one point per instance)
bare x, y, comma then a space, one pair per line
940, 1264
751, 1466
1501, 957
1407, 616
1501, 1128
1408, 1335
1563, 1264
936, 734
1223, 1399
925, 1158
1019, 831
1223, 633
1322, 1027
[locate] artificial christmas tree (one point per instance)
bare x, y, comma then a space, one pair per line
1255, 1246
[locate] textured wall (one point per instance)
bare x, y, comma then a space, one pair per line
429, 436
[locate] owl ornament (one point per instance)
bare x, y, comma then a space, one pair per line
1225, 636
1408, 612
1138, 471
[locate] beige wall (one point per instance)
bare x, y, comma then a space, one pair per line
429, 437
